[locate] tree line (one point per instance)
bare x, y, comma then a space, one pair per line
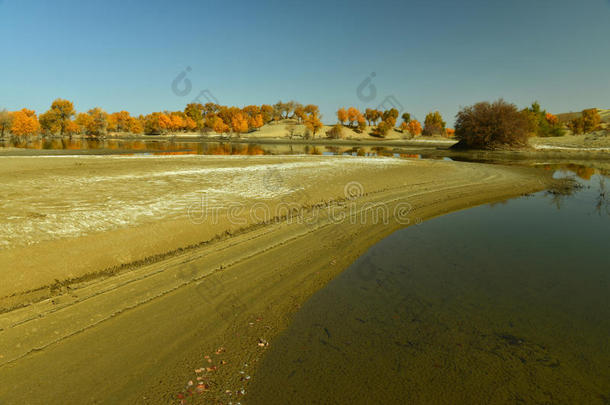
62, 119
383, 121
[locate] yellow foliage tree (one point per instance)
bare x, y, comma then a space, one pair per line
135, 126
83, 120
165, 122
313, 123
267, 112
342, 115
119, 122
25, 123
58, 117
72, 128
219, 126
239, 123
414, 127
176, 122
256, 121
190, 124
98, 124
353, 116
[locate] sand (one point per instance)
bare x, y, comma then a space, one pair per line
123, 305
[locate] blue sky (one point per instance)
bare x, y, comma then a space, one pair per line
429, 55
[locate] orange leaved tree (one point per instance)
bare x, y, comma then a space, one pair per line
342, 115
25, 123
313, 123
414, 127
239, 123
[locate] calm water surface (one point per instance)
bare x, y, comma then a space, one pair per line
504, 303
170, 147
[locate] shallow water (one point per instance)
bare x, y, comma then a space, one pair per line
170, 147
503, 303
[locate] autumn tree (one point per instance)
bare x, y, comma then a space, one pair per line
390, 116
177, 122
406, 118
219, 126
382, 129
239, 123
98, 124
491, 125
281, 110
313, 123
591, 120
541, 123
434, 124
49, 124
552, 119
58, 117
372, 116
83, 120
299, 113
119, 121
6, 120
353, 116
361, 123
136, 126
195, 111
157, 123
251, 111
342, 115
256, 121
311, 109
267, 113
24, 123
64, 111
294, 107
387, 123
414, 128
189, 124
227, 113
72, 128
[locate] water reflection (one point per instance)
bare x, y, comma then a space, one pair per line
589, 186
195, 147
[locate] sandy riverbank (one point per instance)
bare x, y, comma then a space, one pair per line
112, 293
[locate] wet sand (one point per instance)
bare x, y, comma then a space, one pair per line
123, 307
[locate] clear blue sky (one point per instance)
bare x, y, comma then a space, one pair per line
430, 55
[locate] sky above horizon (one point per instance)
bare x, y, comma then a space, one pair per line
419, 56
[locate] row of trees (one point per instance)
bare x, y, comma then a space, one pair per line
385, 121
500, 124
62, 119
